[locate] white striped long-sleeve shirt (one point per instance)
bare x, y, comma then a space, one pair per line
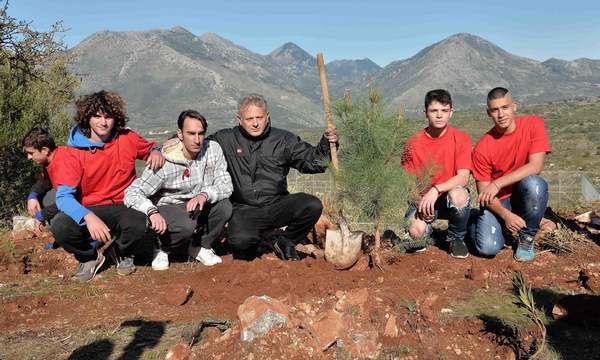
172, 184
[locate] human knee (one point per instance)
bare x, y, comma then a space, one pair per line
312, 205
533, 184
224, 209
458, 197
133, 221
487, 243
417, 229
62, 225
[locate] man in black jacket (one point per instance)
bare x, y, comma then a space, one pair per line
259, 158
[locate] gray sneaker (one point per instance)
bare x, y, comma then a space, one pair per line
125, 266
87, 270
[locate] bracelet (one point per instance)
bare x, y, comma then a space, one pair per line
205, 195
152, 211
496, 185
436, 189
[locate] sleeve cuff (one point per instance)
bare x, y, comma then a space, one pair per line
79, 214
210, 195
39, 217
32, 195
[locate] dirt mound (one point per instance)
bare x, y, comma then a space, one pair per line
421, 305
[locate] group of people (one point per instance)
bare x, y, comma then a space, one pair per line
191, 187
506, 164
195, 185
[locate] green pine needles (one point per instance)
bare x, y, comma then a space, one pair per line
371, 183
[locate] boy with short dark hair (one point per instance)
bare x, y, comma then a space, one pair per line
40, 148
507, 161
443, 152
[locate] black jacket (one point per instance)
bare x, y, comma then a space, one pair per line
259, 167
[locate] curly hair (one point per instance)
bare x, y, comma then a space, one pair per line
107, 102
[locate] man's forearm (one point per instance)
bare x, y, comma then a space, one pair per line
534, 166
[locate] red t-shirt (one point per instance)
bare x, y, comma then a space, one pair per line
441, 157
101, 175
496, 155
59, 156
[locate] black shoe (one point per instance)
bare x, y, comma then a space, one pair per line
458, 248
285, 248
390, 235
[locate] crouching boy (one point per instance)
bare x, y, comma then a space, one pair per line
442, 153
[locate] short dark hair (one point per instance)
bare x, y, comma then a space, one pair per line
497, 93
107, 102
38, 138
191, 114
440, 95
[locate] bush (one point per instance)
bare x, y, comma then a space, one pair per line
35, 87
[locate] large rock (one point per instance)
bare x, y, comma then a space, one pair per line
258, 314
21, 223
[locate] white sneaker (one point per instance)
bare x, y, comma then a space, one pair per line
208, 257
161, 261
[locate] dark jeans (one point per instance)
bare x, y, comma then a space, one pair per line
529, 200
299, 212
202, 231
445, 209
75, 238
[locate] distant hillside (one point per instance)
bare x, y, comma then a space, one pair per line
469, 66
161, 72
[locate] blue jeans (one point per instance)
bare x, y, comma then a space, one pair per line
529, 200
445, 209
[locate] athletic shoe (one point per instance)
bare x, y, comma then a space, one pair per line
86, 271
458, 248
125, 266
160, 261
208, 257
525, 250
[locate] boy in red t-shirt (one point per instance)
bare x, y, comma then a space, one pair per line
443, 152
507, 161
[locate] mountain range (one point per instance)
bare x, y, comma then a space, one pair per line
162, 72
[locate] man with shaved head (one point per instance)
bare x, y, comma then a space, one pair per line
507, 162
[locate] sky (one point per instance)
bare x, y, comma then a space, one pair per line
383, 31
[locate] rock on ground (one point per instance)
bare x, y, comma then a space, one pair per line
258, 314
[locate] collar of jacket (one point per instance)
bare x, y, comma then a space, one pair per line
256, 138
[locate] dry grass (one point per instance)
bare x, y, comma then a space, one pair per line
563, 240
8, 250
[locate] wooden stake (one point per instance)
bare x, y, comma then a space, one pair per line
325, 91
377, 247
